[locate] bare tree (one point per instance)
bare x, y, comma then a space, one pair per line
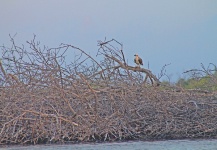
46, 100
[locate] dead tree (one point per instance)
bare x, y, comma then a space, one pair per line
116, 56
45, 100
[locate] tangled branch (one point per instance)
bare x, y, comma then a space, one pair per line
45, 100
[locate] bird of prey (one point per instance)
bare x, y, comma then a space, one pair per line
138, 60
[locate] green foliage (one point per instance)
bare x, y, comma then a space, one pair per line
165, 85
208, 82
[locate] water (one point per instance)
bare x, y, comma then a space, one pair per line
139, 145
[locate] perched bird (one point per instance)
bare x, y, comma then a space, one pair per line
138, 60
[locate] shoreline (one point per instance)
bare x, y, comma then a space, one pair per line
102, 142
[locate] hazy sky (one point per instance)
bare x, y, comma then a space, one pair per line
180, 32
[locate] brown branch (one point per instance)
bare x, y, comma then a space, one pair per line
138, 69
2, 69
88, 109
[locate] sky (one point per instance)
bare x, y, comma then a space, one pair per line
182, 33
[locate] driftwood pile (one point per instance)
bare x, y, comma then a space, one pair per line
45, 101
